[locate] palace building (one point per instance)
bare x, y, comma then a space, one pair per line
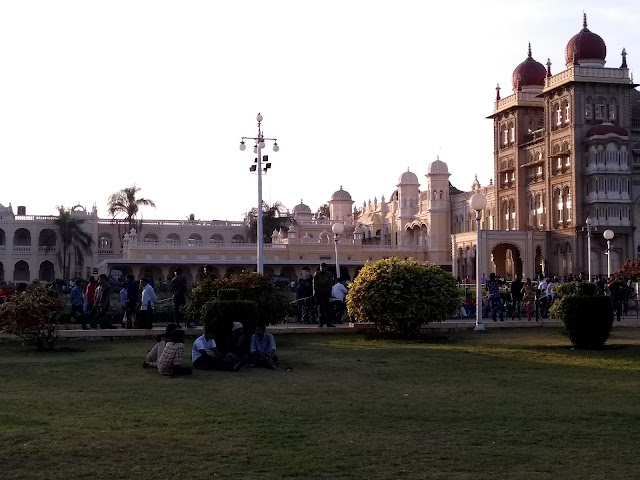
566, 147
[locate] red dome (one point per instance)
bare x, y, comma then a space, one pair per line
607, 129
529, 73
586, 45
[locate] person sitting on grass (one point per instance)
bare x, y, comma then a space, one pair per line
263, 349
170, 362
154, 354
237, 344
206, 356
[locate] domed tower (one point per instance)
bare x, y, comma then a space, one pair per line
408, 194
586, 49
439, 210
529, 75
340, 205
301, 213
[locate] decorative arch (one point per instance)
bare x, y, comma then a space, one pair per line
3, 237
150, 238
237, 238
173, 239
195, 239
507, 259
47, 238
46, 272
22, 238
324, 237
216, 238
21, 272
105, 241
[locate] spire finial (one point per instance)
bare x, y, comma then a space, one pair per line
624, 58
548, 67
584, 20
438, 157
407, 168
529, 49
497, 92
340, 187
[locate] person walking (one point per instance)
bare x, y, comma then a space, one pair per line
133, 294
322, 283
89, 300
147, 304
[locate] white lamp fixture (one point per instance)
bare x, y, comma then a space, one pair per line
337, 229
608, 236
259, 140
478, 202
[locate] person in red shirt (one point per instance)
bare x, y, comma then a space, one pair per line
90, 294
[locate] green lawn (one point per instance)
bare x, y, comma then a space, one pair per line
517, 404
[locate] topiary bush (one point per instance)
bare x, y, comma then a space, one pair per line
587, 317
272, 303
33, 316
400, 296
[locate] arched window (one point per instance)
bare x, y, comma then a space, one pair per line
567, 205
512, 215
217, 238
150, 238
22, 238
237, 238
105, 242
173, 239
195, 239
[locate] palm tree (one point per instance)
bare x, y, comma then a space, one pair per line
125, 202
74, 241
274, 217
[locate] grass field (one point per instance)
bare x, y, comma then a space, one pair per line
516, 404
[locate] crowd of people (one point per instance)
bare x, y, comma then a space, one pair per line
527, 297
235, 351
320, 299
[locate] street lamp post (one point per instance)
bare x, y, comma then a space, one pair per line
589, 229
337, 230
259, 145
478, 202
608, 236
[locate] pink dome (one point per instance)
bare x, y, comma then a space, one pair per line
529, 73
585, 46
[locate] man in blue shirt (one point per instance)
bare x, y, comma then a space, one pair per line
263, 349
206, 356
75, 297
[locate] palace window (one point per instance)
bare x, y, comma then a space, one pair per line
539, 171
559, 163
566, 113
613, 113
506, 136
567, 205
559, 116
568, 161
600, 112
513, 134
587, 111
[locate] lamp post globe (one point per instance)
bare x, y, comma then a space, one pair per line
276, 147
588, 221
337, 228
608, 234
242, 146
259, 118
478, 202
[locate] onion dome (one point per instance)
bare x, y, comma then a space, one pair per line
607, 129
475, 185
341, 195
408, 178
438, 168
301, 208
585, 48
529, 74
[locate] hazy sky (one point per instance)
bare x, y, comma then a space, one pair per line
96, 96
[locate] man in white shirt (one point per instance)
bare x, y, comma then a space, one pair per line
205, 355
338, 292
147, 304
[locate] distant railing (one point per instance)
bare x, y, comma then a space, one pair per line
22, 249
174, 223
45, 249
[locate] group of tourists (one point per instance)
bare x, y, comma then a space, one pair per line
238, 351
320, 298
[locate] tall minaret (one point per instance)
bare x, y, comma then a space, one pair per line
439, 210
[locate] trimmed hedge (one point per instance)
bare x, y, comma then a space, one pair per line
219, 315
587, 319
402, 295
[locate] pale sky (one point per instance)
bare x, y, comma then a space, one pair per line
98, 95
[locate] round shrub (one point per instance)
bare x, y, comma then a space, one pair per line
272, 303
587, 317
33, 316
400, 296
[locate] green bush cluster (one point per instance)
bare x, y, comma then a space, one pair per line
272, 303
33, 316
402, 295
219, 315
587, 317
